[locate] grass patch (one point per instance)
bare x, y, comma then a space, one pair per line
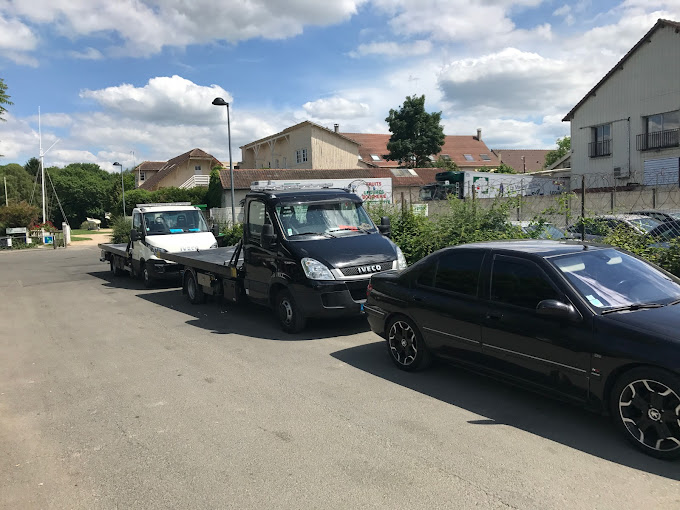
85, 232
80, 238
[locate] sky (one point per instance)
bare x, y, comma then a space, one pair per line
133, 80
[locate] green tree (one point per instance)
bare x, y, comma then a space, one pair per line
18, 215
505, 169
416, 134
19, 183
32, 166
214, 197
447, 165
83, 190
563, 147
4, 98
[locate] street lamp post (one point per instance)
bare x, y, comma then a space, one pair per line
218, 101
122, 183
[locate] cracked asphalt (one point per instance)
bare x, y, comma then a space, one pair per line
114, 396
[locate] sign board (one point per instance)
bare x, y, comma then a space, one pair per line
492, 185
48, 240
16, 230
419, 209
369, 190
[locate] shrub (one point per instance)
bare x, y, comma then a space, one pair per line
21, 214
232, 235
85, 225
121, 230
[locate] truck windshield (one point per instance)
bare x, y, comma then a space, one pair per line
174, 222
324, 218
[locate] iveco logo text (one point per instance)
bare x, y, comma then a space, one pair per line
369, 269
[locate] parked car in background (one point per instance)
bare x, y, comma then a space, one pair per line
664, 233
589, 324
662, 216
598, 227
540, 230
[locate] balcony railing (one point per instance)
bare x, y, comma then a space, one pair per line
196, 180
597, 149
657, 140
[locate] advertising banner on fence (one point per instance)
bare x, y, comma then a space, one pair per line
370, 190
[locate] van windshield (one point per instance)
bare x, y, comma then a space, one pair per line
324, 218
174, 222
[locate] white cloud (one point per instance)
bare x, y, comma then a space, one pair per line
87, 54
172, 100
565, 12
393, 49
336, 108
16, 36
146, 26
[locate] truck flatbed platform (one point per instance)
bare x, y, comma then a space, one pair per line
215, 261
116, 249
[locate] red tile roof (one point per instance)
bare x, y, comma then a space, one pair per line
173, 163
454, 146
534, 159
661, 23
243, 178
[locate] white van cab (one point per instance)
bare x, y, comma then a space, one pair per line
166, 228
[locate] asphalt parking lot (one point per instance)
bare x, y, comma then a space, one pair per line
114, 396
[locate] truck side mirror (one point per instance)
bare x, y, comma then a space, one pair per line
385, 228
135, 235
267, 237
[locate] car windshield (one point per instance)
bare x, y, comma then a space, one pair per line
645, 223
324, 218
174, 222
609, 278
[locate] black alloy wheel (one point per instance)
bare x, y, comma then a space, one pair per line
406, 346
290, 316
194, 291
645, 404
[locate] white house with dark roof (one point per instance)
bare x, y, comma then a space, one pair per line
625, 130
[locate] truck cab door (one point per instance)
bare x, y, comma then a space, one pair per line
259, 261
136, 246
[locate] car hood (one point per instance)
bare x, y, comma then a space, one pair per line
662, 322
347, 250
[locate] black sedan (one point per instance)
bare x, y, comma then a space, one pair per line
590, 324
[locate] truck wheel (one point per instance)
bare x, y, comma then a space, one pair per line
115, 270
146, 276
290, 316
194, 291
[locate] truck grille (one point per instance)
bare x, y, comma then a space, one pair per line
366, 269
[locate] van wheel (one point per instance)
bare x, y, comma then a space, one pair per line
134, 272
146, 276
645, 405
290, 316
194, 291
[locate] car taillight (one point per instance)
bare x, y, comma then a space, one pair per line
368, 290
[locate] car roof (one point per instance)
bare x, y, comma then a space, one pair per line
539, 247
625, 216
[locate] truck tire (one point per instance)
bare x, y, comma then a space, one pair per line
146, 276
115, 270
194, 291
288, 312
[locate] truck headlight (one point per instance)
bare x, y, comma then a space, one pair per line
401, 260
159, 251
213, 245
315, 270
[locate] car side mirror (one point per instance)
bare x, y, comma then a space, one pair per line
558, 310
385, 228
215, 229
267, 237
135, 235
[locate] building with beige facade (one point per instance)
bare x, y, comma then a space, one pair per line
625, 130
184, 171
